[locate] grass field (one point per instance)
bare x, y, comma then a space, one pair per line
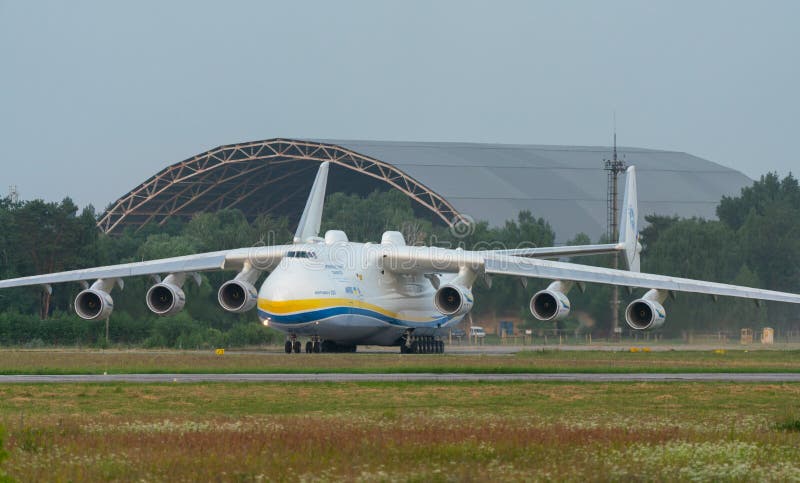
117, 362
402, 431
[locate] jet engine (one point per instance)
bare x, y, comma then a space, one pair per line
237, 296
92, 303
165, 298
645, 314
451, 299
549, 304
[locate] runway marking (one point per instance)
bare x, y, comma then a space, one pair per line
416, 377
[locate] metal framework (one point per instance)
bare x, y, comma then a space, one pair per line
256, 177
614, 167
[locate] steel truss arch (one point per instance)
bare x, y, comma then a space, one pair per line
228, 176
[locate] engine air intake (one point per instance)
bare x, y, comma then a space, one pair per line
549, 305
237, 296
644, 314
453, 300
165, 299
91, 304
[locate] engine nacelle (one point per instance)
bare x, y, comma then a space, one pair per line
549, 305
237, 296
644, 314
453, 299
165, 299
92, 304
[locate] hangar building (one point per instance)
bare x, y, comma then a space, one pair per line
565, 185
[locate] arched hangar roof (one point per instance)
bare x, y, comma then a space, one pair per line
566, 185
272, 176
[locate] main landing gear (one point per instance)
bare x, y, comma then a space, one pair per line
331, 346
292, 345
315, 345
421, 345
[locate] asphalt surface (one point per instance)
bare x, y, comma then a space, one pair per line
342, 377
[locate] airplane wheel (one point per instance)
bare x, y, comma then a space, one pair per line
317, 347
288, 347
297, 347
441, 347
309, 347
403, 348
414, 347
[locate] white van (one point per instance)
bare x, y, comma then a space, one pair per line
477, 331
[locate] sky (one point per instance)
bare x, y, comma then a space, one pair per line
96, 96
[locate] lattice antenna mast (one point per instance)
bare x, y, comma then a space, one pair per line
13, 194
614, 167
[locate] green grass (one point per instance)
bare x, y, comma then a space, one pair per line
789, 424
549, 361
401, 431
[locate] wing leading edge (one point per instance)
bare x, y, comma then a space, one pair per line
442, 260
547, 269
260, 258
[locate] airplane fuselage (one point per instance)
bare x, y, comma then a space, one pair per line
339, 292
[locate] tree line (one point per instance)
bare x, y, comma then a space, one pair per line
754, 241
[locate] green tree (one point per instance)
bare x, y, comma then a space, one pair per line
766, 219
52, 237
365, 219
734, 210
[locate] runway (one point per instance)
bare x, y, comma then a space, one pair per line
415, 377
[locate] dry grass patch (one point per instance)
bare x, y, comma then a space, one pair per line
402, 431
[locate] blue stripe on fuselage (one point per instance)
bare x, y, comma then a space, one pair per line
313, 315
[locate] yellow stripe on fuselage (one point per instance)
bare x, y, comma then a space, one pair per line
285, 307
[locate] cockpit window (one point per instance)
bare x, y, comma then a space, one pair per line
300, 254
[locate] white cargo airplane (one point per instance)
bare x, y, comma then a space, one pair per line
339, 294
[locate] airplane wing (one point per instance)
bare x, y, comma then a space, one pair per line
259, 258
442, 260
547, 269
562, 251
250, 260
167, 297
